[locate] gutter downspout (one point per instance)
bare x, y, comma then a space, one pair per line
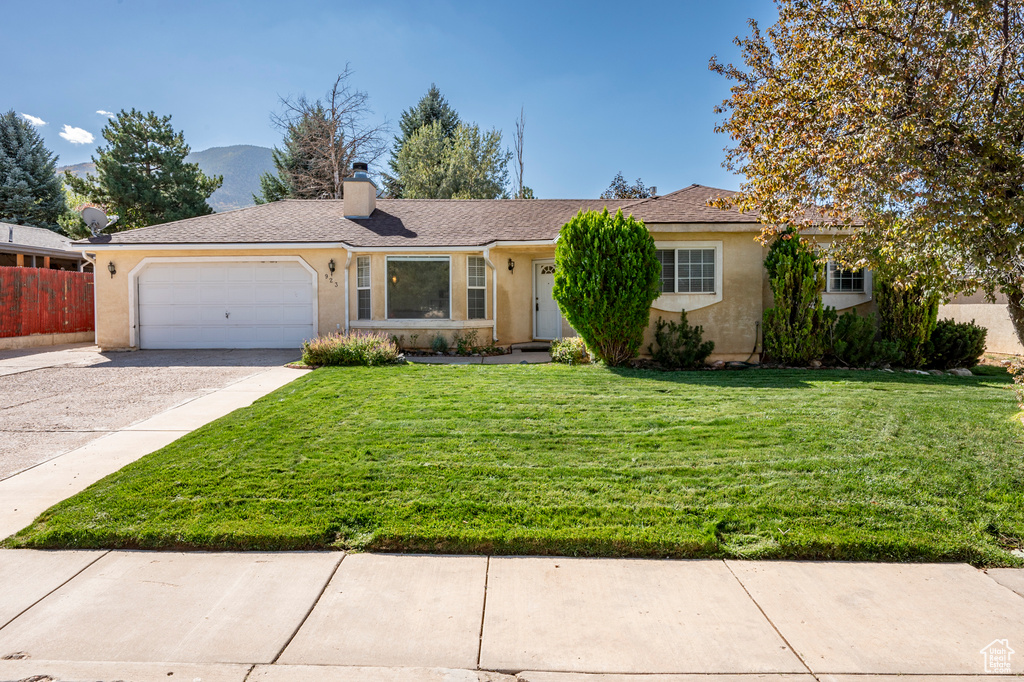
494, 293
348, 262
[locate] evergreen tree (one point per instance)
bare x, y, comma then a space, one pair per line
142, 175
298, 175
469, 165
620, 189
30, 191
796, 327
431, 108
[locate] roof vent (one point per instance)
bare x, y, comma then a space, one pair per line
360, 170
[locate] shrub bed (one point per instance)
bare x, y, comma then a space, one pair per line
350, 349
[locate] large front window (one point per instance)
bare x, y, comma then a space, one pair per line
419, 288
687, 271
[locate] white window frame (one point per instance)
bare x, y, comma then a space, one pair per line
832, 267
388, 259
675, 302
476, 287
364, 285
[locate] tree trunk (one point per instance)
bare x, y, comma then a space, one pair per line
1015, 304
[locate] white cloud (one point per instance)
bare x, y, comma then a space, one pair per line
108, 114
34, 120
76, 135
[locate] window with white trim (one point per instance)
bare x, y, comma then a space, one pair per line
419, 288
687, 271
363, 310
842, 281
476, 288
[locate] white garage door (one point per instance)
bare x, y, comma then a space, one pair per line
250, 304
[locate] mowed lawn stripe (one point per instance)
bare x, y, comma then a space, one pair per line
584, 461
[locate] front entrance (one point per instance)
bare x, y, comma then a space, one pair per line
547, 318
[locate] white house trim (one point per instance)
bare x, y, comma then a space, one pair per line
192, 246
133, 283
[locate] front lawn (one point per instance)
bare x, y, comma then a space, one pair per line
583, 461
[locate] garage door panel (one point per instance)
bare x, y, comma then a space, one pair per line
269, 304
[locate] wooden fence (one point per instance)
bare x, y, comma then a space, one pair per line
39, 301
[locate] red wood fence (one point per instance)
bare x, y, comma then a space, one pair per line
39, 301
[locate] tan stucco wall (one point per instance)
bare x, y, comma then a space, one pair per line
113, 330
994, 317
732, 322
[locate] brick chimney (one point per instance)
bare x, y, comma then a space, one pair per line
360, 195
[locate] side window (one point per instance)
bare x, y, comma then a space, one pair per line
476, 283
667, 258
364, 310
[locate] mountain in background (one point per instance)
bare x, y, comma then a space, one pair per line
240, 164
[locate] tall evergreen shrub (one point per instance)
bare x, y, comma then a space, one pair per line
907, 314
606, 277
796, 328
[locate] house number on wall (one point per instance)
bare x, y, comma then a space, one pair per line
330, 279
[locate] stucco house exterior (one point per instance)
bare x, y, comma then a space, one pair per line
275, 274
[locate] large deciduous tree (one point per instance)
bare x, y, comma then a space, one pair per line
432, 108
467, 165
142, 176
322, 138
904, 115
30, 191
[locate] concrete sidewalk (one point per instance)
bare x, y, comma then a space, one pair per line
29, 493
284, 617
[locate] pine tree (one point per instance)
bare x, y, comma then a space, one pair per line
30, 191
469, 165
620, 189
796, 327
432, 108
142, 175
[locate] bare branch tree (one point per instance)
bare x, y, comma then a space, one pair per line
330, 134
520, 127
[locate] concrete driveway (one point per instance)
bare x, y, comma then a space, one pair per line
56, 399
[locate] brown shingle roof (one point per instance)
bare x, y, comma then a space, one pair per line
414, 222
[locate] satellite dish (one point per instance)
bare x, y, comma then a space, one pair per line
96, 219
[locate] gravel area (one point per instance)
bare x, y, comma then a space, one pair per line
55, 400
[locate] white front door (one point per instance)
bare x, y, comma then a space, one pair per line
547, 318
226, 304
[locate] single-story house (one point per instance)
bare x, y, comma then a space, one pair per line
275, 274
36, 247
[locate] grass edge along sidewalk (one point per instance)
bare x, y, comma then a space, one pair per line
584, 461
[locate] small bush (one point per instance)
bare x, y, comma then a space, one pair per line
570, 351
956, 344
1016, 370
350, 349
680, 346
439, 343
853, 340
465, 342
888, 352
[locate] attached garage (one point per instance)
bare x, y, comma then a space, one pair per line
194, 303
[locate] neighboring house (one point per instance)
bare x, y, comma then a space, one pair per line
35, 247
275, 274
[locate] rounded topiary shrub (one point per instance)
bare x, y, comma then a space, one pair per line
606, 277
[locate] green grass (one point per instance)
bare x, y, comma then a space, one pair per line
583, 461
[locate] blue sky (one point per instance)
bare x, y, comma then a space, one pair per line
605, 86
